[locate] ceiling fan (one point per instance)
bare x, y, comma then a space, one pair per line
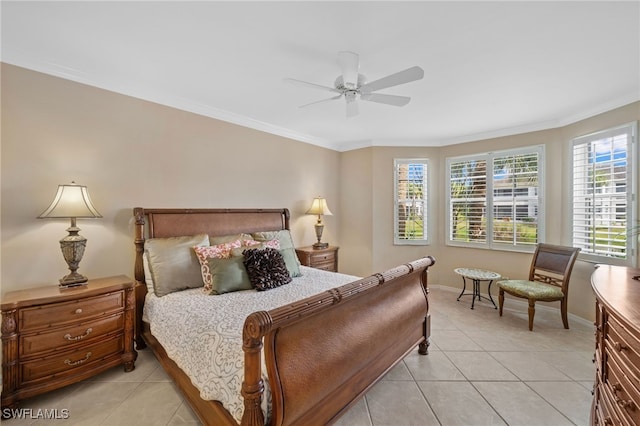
353, 86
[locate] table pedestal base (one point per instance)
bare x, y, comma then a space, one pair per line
476, 292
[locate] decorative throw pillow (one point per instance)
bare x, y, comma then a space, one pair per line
266, 268
287, 248
228, 275
229, 238
274, 244
219, 251
173, 264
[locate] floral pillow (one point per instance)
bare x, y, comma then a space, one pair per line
219, 251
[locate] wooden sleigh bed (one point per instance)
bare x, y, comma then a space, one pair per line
321, 353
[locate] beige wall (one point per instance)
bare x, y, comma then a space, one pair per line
134, 153
557, 198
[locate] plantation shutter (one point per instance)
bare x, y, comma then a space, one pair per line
602, 193
516, 198
468, 200
410, 212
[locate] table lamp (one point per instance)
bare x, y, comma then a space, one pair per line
319, 207
72, 201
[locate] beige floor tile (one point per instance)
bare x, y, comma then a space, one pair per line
570, 398
358, 415
519, 405
577, 365
453, 340
435, 366
151, 404
399, 404
459, 404
480, 366
184, 416
529, 366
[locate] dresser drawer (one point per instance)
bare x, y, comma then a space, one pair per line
68, 312
624, 394
625, 346
68, 361
610, 410
63, 337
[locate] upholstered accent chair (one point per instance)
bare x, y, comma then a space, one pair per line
548, 281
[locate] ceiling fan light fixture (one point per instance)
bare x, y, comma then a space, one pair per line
353, 85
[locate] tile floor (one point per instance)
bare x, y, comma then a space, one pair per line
481, 370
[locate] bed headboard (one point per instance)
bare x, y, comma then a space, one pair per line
162, 223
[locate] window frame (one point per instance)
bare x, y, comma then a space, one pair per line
426, 240
632, 228
490, 243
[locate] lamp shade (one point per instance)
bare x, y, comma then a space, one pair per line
71, 200
319, 207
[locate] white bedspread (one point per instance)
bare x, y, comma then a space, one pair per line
203, 333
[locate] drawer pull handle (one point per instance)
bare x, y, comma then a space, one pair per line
608, 421
78, 311
616, 387
78, 362
80, 337
625, 404
619, 346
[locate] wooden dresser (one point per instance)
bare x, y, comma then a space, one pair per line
617, 357
53, 337
325, 259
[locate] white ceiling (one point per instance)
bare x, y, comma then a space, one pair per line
491, 68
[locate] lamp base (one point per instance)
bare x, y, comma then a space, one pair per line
74, 279
318, 246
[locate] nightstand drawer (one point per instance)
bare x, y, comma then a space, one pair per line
325, 257
331, 266
60, 313
67, 361
67, 336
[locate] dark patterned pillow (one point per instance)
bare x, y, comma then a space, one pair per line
266, 268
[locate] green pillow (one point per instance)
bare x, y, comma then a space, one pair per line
287, 248
173, 263
228, 275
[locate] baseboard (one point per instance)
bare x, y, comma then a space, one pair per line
520, 304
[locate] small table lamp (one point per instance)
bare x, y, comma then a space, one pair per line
319, 207
72, 201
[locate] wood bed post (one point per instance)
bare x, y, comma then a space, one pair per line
138, 272
423, 348
255, 326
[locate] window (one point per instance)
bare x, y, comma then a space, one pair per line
495, 199
603, 189
410, 195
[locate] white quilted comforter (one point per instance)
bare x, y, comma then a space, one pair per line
203, 333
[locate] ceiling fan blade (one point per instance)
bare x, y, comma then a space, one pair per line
312, 85
350, 64
386, 99
352, 109
402, 77
321, 101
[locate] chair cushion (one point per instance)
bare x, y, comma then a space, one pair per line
531, 289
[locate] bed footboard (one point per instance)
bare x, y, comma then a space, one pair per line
324, 352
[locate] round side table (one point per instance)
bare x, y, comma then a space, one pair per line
476, 276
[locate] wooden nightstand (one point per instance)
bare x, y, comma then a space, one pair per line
53, 338
325, 259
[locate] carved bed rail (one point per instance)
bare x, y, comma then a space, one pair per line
324, 352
